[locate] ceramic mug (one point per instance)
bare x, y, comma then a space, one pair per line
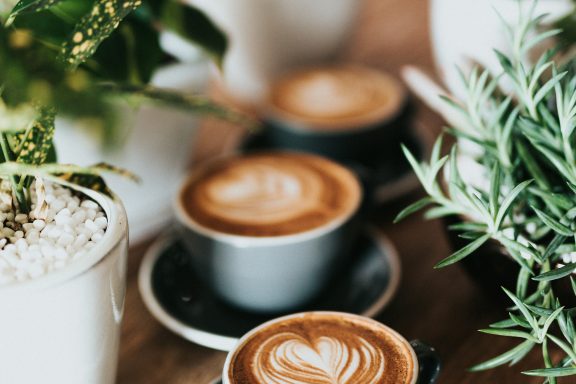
266, 38
344, 112
426, 362
272, 273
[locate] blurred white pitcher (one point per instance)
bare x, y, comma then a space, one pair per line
268, 37
466, 31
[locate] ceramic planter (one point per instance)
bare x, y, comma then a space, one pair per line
157, 147
64, 327
464, 32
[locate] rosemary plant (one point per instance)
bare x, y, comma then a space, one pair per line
524, 141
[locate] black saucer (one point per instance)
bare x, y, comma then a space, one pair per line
174, 295
385, 174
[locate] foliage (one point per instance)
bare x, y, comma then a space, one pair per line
75, 57
524, 141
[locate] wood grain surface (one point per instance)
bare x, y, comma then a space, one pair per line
443, 308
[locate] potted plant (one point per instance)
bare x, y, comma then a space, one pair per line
524, 201
139, 53
63, 234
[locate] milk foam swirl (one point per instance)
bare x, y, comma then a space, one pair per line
322, 348
271, 194
336, 98
288, 358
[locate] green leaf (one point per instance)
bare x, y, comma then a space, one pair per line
188, 102
93, 28
519, 351
35, 144
414, 207
510, 333
556, 273
556, 242
462, 253
552, 372
507, 203
495, 189
191, 24
549, 321
553, 223
29, 6
523, 309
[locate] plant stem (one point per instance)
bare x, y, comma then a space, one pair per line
17, 188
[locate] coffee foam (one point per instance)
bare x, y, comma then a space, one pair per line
270, 194
336, 98
323, 348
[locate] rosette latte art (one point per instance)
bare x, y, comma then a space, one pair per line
271, 194
322, 349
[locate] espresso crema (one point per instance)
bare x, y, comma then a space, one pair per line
270, 194
319, 348
336, 98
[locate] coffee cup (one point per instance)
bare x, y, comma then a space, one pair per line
266, 231
346, 112
327, 347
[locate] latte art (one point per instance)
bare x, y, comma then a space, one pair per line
291, 359
336, 98
271, 194
322, 348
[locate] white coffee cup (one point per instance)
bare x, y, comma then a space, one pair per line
268, 37
269, 273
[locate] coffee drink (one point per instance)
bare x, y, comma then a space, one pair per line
336, 98
322, 347
270, 194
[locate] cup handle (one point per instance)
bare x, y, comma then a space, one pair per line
428, 361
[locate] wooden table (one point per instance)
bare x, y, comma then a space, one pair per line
443, 307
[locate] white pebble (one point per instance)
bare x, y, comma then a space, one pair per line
101, 222
39, 224
21, 218
91, 225
65, 239
89, 204
96, 237
31, 247
79, 216
57, 205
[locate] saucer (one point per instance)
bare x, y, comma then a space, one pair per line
386, 175
175, 296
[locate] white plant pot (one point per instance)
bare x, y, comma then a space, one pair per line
64, 327
158, 148
269, 37
467, 31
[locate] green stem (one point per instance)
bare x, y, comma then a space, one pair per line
18, 189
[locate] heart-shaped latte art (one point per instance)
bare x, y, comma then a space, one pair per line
288, 358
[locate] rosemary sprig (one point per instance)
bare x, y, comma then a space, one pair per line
525, 200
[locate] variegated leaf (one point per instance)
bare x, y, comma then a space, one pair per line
34, 145
94, 28
30, 6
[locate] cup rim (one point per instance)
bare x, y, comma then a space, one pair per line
252, 332
279, 118
115, 232
260, 241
